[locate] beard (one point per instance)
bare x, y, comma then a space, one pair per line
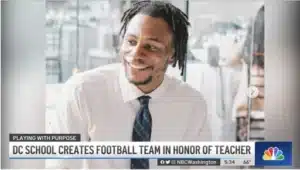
150, 78
139, 83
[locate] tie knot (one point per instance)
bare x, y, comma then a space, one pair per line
144, 100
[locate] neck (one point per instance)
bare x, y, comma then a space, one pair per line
148, 88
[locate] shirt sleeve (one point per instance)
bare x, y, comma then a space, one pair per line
70, 118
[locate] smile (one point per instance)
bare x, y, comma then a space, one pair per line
139, 67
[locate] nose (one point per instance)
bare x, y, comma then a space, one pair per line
137, 52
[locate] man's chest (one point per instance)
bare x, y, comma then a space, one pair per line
113, 121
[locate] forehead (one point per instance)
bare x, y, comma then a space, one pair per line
146, 26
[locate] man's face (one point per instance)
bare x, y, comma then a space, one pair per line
146, 50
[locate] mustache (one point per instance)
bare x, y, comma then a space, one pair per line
136, 61
138, 64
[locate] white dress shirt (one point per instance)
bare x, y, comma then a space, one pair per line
101, 104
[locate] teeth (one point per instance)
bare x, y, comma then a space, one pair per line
137, 66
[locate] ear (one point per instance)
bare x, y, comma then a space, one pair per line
171, 57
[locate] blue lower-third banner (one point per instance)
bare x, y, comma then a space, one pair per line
273, 153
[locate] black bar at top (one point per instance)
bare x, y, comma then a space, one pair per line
44, 137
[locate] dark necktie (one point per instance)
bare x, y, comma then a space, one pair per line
142, 128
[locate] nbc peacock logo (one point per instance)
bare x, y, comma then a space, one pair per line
273, 154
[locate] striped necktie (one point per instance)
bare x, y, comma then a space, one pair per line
142, 128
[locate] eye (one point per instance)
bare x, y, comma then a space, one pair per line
151, 47
132, 42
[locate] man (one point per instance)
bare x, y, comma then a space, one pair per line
136, 101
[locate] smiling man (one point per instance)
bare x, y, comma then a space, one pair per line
136, 100
146, 51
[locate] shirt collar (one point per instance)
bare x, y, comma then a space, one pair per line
130, 92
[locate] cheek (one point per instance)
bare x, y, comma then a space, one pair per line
124, 48
161, 65
156, 61
160, 59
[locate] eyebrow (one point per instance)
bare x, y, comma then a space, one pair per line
147, 38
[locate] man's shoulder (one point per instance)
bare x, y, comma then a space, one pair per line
97, 76
178, 88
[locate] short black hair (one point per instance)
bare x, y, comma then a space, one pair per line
176, 19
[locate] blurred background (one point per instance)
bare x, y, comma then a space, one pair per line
83, 34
